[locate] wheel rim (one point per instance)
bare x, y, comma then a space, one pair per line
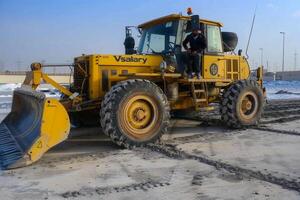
249, 105
139, 116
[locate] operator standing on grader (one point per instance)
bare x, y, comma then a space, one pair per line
197, 42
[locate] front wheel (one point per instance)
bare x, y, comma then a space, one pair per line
242, 104
135, 112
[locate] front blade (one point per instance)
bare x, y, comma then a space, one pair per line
21, 128
10, 151
34, 125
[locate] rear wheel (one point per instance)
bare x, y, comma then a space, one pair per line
242, 104
135, 112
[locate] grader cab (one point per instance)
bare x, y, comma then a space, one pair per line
131, 96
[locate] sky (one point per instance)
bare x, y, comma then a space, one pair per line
56, 31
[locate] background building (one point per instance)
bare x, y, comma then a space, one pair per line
288, 76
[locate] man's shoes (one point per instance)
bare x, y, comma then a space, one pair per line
199, 76
190, 76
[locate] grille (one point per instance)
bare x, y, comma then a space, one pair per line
80, 81
232, 67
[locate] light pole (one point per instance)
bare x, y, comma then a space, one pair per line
295, 64
1, 66
283, 43
261, 56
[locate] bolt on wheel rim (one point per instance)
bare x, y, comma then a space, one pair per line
249, 105
139, 116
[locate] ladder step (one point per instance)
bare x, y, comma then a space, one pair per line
199, 91
185, 93
201, 100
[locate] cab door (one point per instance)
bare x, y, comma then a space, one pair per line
213, 63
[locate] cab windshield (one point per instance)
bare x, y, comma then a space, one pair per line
159, 38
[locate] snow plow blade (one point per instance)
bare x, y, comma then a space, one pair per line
34, 125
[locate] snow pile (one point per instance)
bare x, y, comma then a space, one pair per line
283, 89
9, 87
6, 90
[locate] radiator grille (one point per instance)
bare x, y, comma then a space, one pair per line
80, 81
232, 69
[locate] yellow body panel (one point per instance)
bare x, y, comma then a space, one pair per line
231, 67
55, 128
114, 67
217, 60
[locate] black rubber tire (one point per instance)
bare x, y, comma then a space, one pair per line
230, 106
112, 102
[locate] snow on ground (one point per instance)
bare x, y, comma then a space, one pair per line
9, 86
6, 90
6, 93
282, 89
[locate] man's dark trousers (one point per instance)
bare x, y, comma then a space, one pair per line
194, 63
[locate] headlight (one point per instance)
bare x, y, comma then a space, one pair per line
163, 65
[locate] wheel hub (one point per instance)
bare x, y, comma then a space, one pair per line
249, 105
139, 116
246, 105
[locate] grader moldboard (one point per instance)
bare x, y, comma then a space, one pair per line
132, 95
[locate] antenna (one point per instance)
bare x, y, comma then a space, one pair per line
250, 35
295, 64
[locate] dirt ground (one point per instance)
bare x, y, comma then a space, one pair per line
198, 159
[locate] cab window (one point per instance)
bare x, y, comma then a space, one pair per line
159, 38
214, 41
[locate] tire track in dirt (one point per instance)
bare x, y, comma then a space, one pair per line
145, 186
281, 113
172, 152
281, 120
286, 132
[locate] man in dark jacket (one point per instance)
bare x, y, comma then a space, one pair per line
197, 44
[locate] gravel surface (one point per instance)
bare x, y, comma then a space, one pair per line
196, 160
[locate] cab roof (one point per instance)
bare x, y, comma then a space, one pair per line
175, 17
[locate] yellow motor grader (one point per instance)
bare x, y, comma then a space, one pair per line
131, 96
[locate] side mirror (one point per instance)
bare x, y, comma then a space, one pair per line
240, 52
129, 42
